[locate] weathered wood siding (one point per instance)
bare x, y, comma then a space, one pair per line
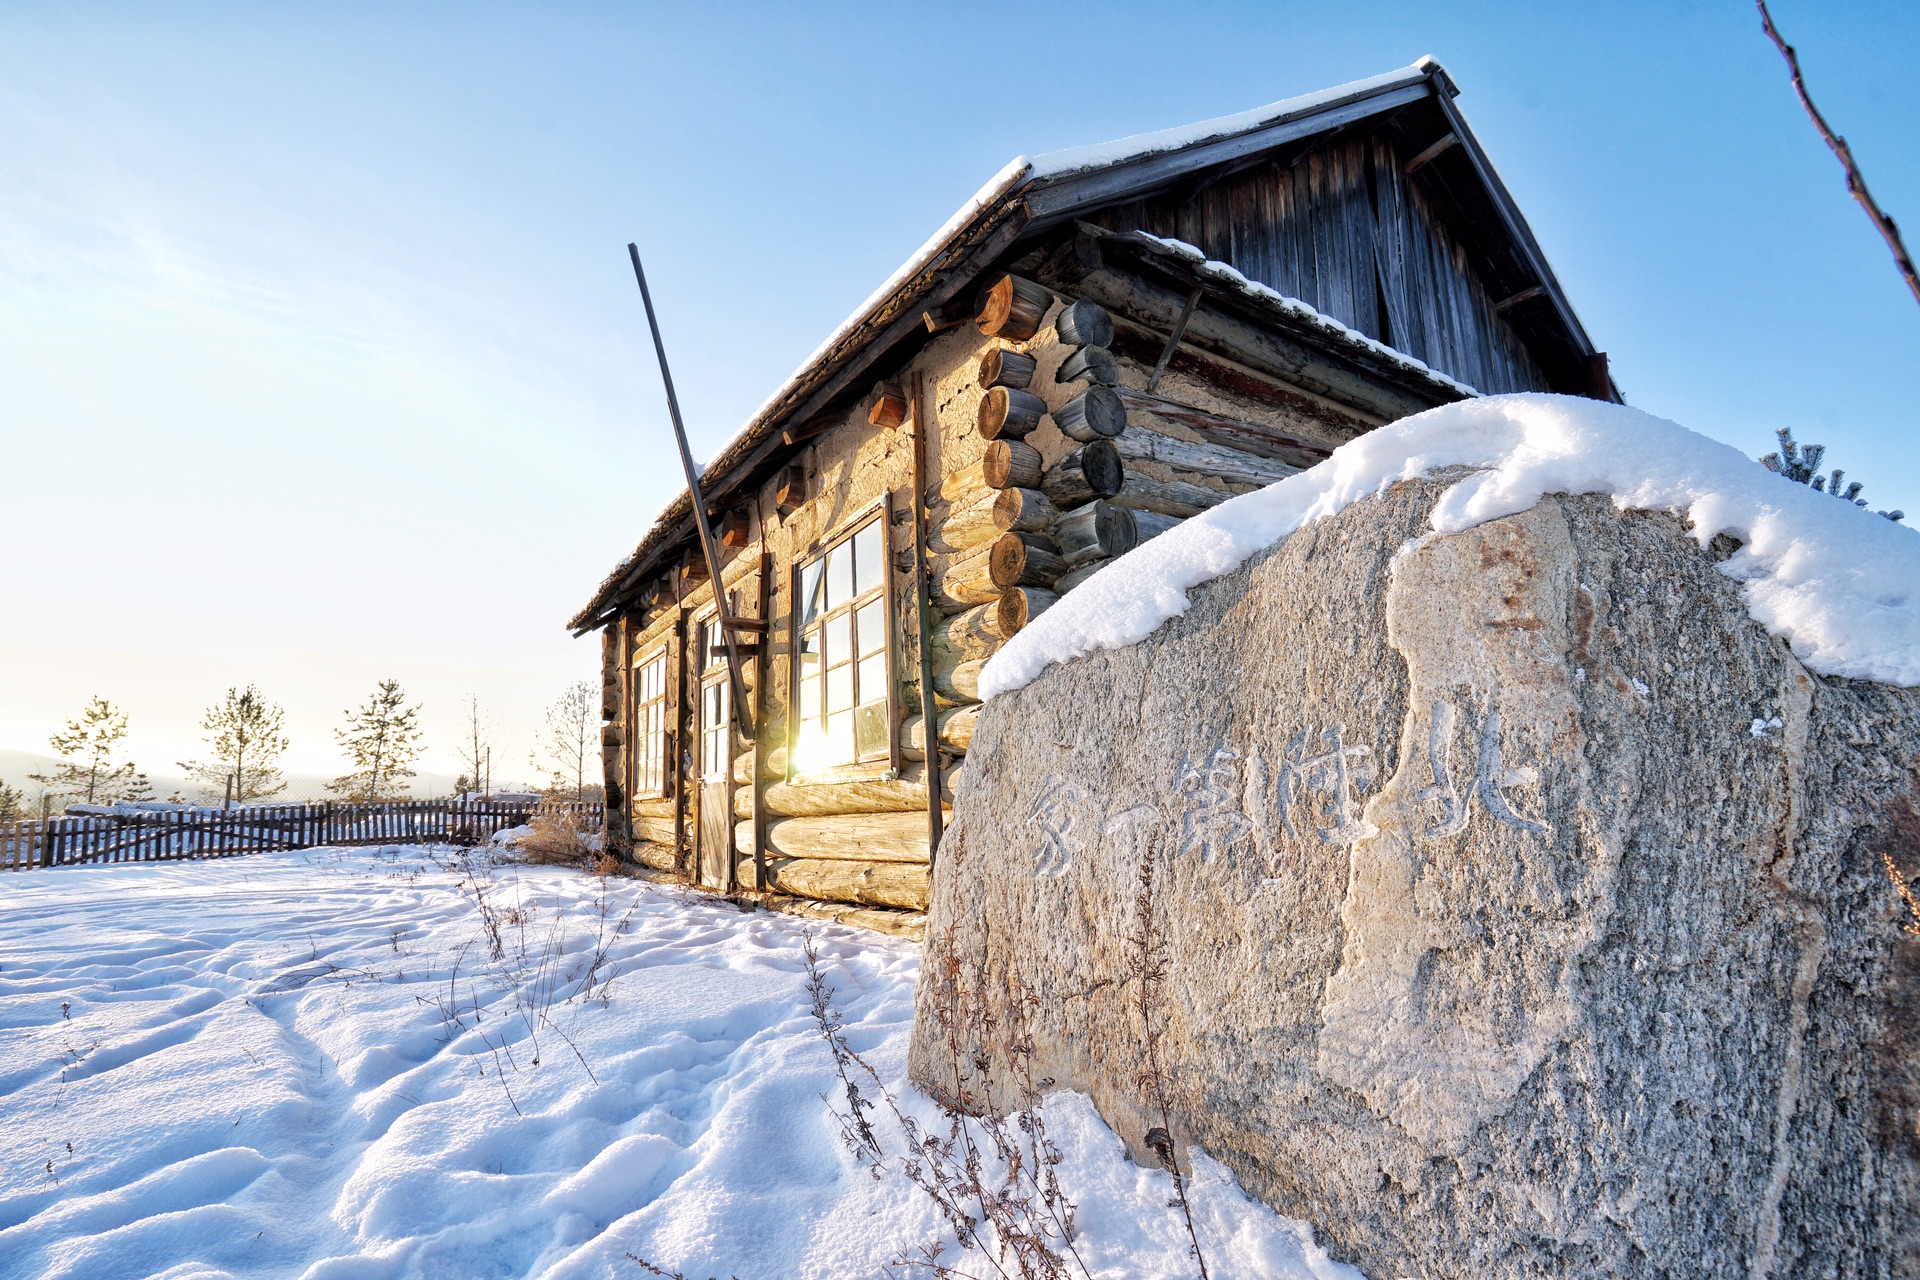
1343, 229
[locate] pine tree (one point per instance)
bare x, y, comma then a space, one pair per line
13, 803
87, 747
243, 735
381, 741
567, 740
1801, 464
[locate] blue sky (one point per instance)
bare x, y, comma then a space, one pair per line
320, 360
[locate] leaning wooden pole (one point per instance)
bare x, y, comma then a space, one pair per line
760, 681
741, 715
923, 601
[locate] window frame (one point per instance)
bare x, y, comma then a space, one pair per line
801, 627
650, 747
711, 676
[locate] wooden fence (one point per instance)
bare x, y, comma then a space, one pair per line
170, 835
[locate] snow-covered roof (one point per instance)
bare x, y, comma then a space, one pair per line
1840, 584
1025, 194
1101, 155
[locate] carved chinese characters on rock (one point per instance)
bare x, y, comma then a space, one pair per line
1490, 777
1211, 817
1057, 814
1321, 785
1313, 787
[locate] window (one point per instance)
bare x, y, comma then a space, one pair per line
650, 726
710, 659
844, 710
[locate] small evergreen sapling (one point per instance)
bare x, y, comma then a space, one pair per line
87, 771
243, 735
381, 741
1800, 463
13, 803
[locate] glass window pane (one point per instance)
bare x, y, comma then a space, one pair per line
839, 639
840, 738
810, 650
810, 697
839, 575
840, 689
872, 629
873, 677
811, 578
869, 565
870, 730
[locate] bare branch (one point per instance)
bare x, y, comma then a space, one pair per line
1856, 181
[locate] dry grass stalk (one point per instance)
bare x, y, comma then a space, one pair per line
653, 1270
1147, 964
1899, 829
1016, 1223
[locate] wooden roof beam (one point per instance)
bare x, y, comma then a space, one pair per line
1447, 142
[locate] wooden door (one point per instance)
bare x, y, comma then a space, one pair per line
714, 841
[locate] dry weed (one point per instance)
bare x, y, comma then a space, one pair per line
556, 837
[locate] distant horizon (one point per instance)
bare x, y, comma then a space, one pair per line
319, 346
16, 765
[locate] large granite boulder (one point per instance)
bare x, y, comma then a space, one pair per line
1527, 908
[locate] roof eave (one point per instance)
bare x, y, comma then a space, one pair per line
928, 280
1056, 198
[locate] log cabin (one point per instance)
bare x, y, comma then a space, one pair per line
1100, 344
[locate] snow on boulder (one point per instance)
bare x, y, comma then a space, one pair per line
1840, 584
1528, 863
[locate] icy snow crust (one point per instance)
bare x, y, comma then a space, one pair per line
299, 1065
1840, 584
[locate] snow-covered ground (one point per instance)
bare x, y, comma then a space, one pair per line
316, 1064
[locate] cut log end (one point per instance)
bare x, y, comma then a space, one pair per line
1002, 367
889, 408
1094, 470
791, 492
1009, 412
1090, 364
1097, 531
1026, 510
1085, 324
1025, 560
1014, 464
733, 528
1095, 414
1013, 308
1021, 605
